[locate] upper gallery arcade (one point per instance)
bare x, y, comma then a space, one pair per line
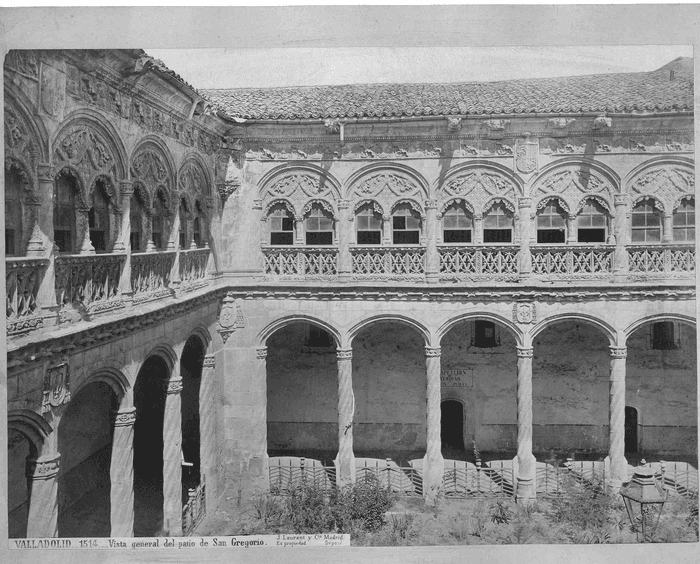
180, 264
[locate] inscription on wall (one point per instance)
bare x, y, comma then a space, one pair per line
457, 378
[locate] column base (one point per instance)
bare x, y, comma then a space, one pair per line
525, 490
433, 471
345, 471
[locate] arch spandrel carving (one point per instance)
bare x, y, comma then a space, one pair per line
573, 184
387, 189
21, 146
667, 184
480, 188
301, 189
149, 167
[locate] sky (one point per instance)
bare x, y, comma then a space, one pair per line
274, 67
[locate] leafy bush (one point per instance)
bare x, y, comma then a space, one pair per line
584, 506
267, 508
501, 514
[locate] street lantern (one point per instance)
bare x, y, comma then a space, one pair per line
644, 496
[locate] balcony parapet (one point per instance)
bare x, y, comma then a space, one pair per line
193, 269
388, 263
151, 276
88, 284
478, 262
661, 261
301, 263
572, 261
23, 276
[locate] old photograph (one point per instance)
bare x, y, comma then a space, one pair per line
333, 296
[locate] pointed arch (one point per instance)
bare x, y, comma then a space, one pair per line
152, 164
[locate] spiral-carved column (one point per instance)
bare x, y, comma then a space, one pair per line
172, 458
433, 466
42, 487
618, 463
207, 418
345, 462
526, 460
121, 473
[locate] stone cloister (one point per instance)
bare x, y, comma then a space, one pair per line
202, 283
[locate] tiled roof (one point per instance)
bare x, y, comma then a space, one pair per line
621, 92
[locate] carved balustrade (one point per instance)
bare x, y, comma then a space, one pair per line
22, 279
88, 284
193, 269
664, 260
150, 275
483, 262
572, 261
388, 263
301, 262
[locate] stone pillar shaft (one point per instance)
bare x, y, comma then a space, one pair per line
386, 230
432, 255
121, 474
621, 256
478, 229
261, 475
172, 458
525, 258
526, 460
618, 463
571, 231
46, 294
344, 240
82, 237
434, 464
346, 411
667, 236
126, 190
207, 420
42, 488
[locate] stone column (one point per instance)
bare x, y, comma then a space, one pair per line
571, 232
525, 255
432, 256
260, 469
345, 461
126, 190
525, 489
46, 294
345, 220
207, 421
667, 234
621, 256
618, 463
298, 230
172, 457
433, 463
478, 228
42, 487
386, 230
82, 227
121, 473
174, 245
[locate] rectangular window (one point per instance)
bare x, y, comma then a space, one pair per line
157, 241
549, 236
63, 239
457, 236
369, 237
591, 235
282, 238
319, 238
406, 238
663, 336
497, 235
485, 335
135, 239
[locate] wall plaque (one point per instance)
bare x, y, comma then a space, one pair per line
457, 378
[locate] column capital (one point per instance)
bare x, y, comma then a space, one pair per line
261, 353
43, 468
174, 386
344, 204
432, 351
621, 199
618, 352
209, 361
524, 352
45, 172
126, 187
344, 354
125, 417
431, 204
525, 202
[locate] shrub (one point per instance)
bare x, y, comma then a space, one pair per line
501, 514
307, 510
402, 526
267, 508
583, 506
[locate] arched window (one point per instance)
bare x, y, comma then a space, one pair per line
551, 224
498, 225
136, 215
684, 221
159, 237
281, 224
98, 217
183, 224
406, 225
64, 213
318, 226
368, 226
592, 223
457, 225
13, 212
646, 223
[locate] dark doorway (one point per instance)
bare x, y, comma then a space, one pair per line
191, 372
149, 400
631, 429
452, 424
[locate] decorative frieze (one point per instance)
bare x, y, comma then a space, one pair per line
231, 317
56, 386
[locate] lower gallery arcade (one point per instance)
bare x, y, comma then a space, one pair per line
130, 448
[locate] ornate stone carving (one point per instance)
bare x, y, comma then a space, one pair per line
43, 468
174, 386
56, 386
299, 188
52, 86
666, 184
524, 312
209, 362
496, 128
332, 125
524, 352
387, 189
84, 149
602, 122
149, 167
454, 123
573, 184
125, 417
560, 123
261, 353
25, 62
231, 317
618, 352
344, 354
526, 154
481, 187
433, 351
20, 145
